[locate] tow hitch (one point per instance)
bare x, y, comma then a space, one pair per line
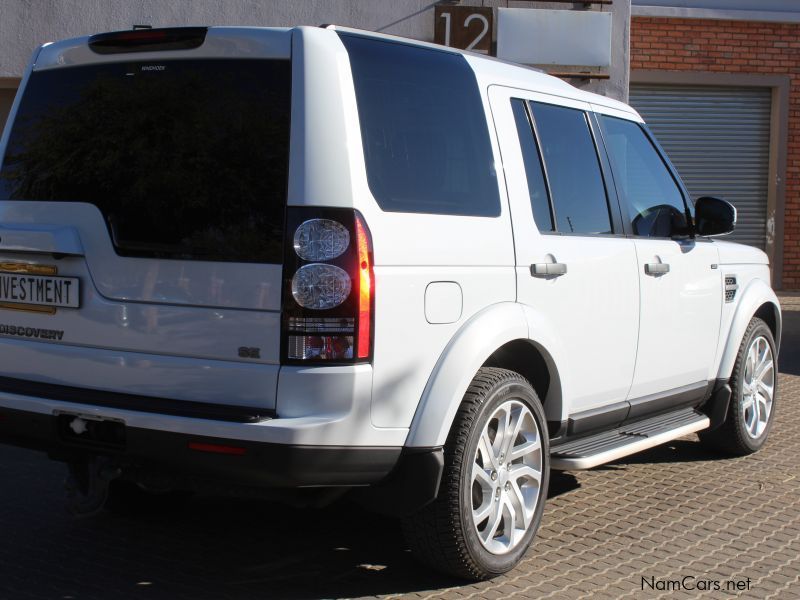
87, 484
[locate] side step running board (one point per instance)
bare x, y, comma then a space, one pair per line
607, 446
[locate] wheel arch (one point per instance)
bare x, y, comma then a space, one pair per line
497, 336
771, 314
757, 300
531, 360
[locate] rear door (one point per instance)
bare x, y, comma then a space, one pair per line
573, 266
158, 180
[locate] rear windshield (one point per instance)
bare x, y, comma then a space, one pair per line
423, 127
186, 159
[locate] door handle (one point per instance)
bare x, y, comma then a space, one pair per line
656, 268
545, 269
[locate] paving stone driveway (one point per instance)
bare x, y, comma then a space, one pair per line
672, 513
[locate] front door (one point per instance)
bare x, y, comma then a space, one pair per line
681, 285
680, 316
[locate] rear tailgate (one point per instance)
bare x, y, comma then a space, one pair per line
157, 180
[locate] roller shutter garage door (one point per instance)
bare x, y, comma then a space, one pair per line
718, 139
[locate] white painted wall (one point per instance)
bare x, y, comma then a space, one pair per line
24, 24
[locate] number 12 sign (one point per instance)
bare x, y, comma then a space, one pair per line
464, 27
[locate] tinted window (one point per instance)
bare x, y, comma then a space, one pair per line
184, 158
426, 142
537, 189
655, 203
573, 169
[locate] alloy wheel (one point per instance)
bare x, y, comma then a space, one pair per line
506, 477
758, 387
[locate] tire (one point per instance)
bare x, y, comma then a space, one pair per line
444, 534
740, 435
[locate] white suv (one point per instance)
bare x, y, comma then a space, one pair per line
316, 260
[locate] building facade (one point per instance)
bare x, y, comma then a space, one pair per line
719, 83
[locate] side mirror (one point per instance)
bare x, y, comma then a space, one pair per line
714, 216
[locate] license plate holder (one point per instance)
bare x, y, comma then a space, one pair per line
23, 289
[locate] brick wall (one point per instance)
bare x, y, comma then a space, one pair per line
734, 47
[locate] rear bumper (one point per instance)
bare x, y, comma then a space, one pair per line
320, 406
253, 463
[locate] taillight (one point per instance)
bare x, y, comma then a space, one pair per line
148, 40
328, 289
366, 288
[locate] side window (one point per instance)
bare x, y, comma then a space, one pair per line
423, 128
540, 203
573, 169
654, 202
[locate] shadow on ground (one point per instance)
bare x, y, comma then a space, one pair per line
676, 451
218, 547
205, 548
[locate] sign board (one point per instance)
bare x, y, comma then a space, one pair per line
464, 27
554, 37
